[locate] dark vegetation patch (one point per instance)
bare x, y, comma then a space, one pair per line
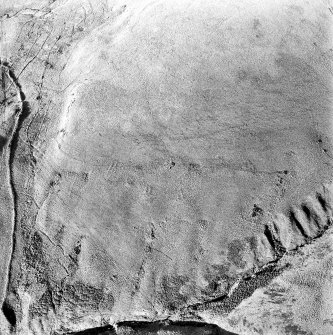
170, 291
217, 275
235, 253
42, 306
247, 286
81, 295
35, 259
34, 253
295, 330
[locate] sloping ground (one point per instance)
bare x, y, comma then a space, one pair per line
298, 301
161, 328
175, 155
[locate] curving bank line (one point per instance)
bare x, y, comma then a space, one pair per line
20, 111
